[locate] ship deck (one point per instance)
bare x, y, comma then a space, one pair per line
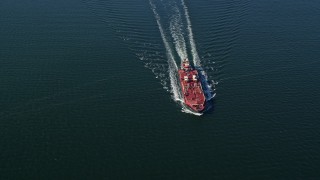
192, 90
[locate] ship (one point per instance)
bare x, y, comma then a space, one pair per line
191, 87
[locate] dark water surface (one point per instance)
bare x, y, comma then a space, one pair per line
86, 90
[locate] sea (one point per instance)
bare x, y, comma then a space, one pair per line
89, 89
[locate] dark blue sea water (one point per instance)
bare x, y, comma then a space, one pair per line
88, 89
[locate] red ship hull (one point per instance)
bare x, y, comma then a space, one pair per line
191, 87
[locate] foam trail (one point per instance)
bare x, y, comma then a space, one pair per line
177, 35
173, 68
196, 59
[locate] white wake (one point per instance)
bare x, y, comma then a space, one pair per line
176, 26
195, 56
173, 68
